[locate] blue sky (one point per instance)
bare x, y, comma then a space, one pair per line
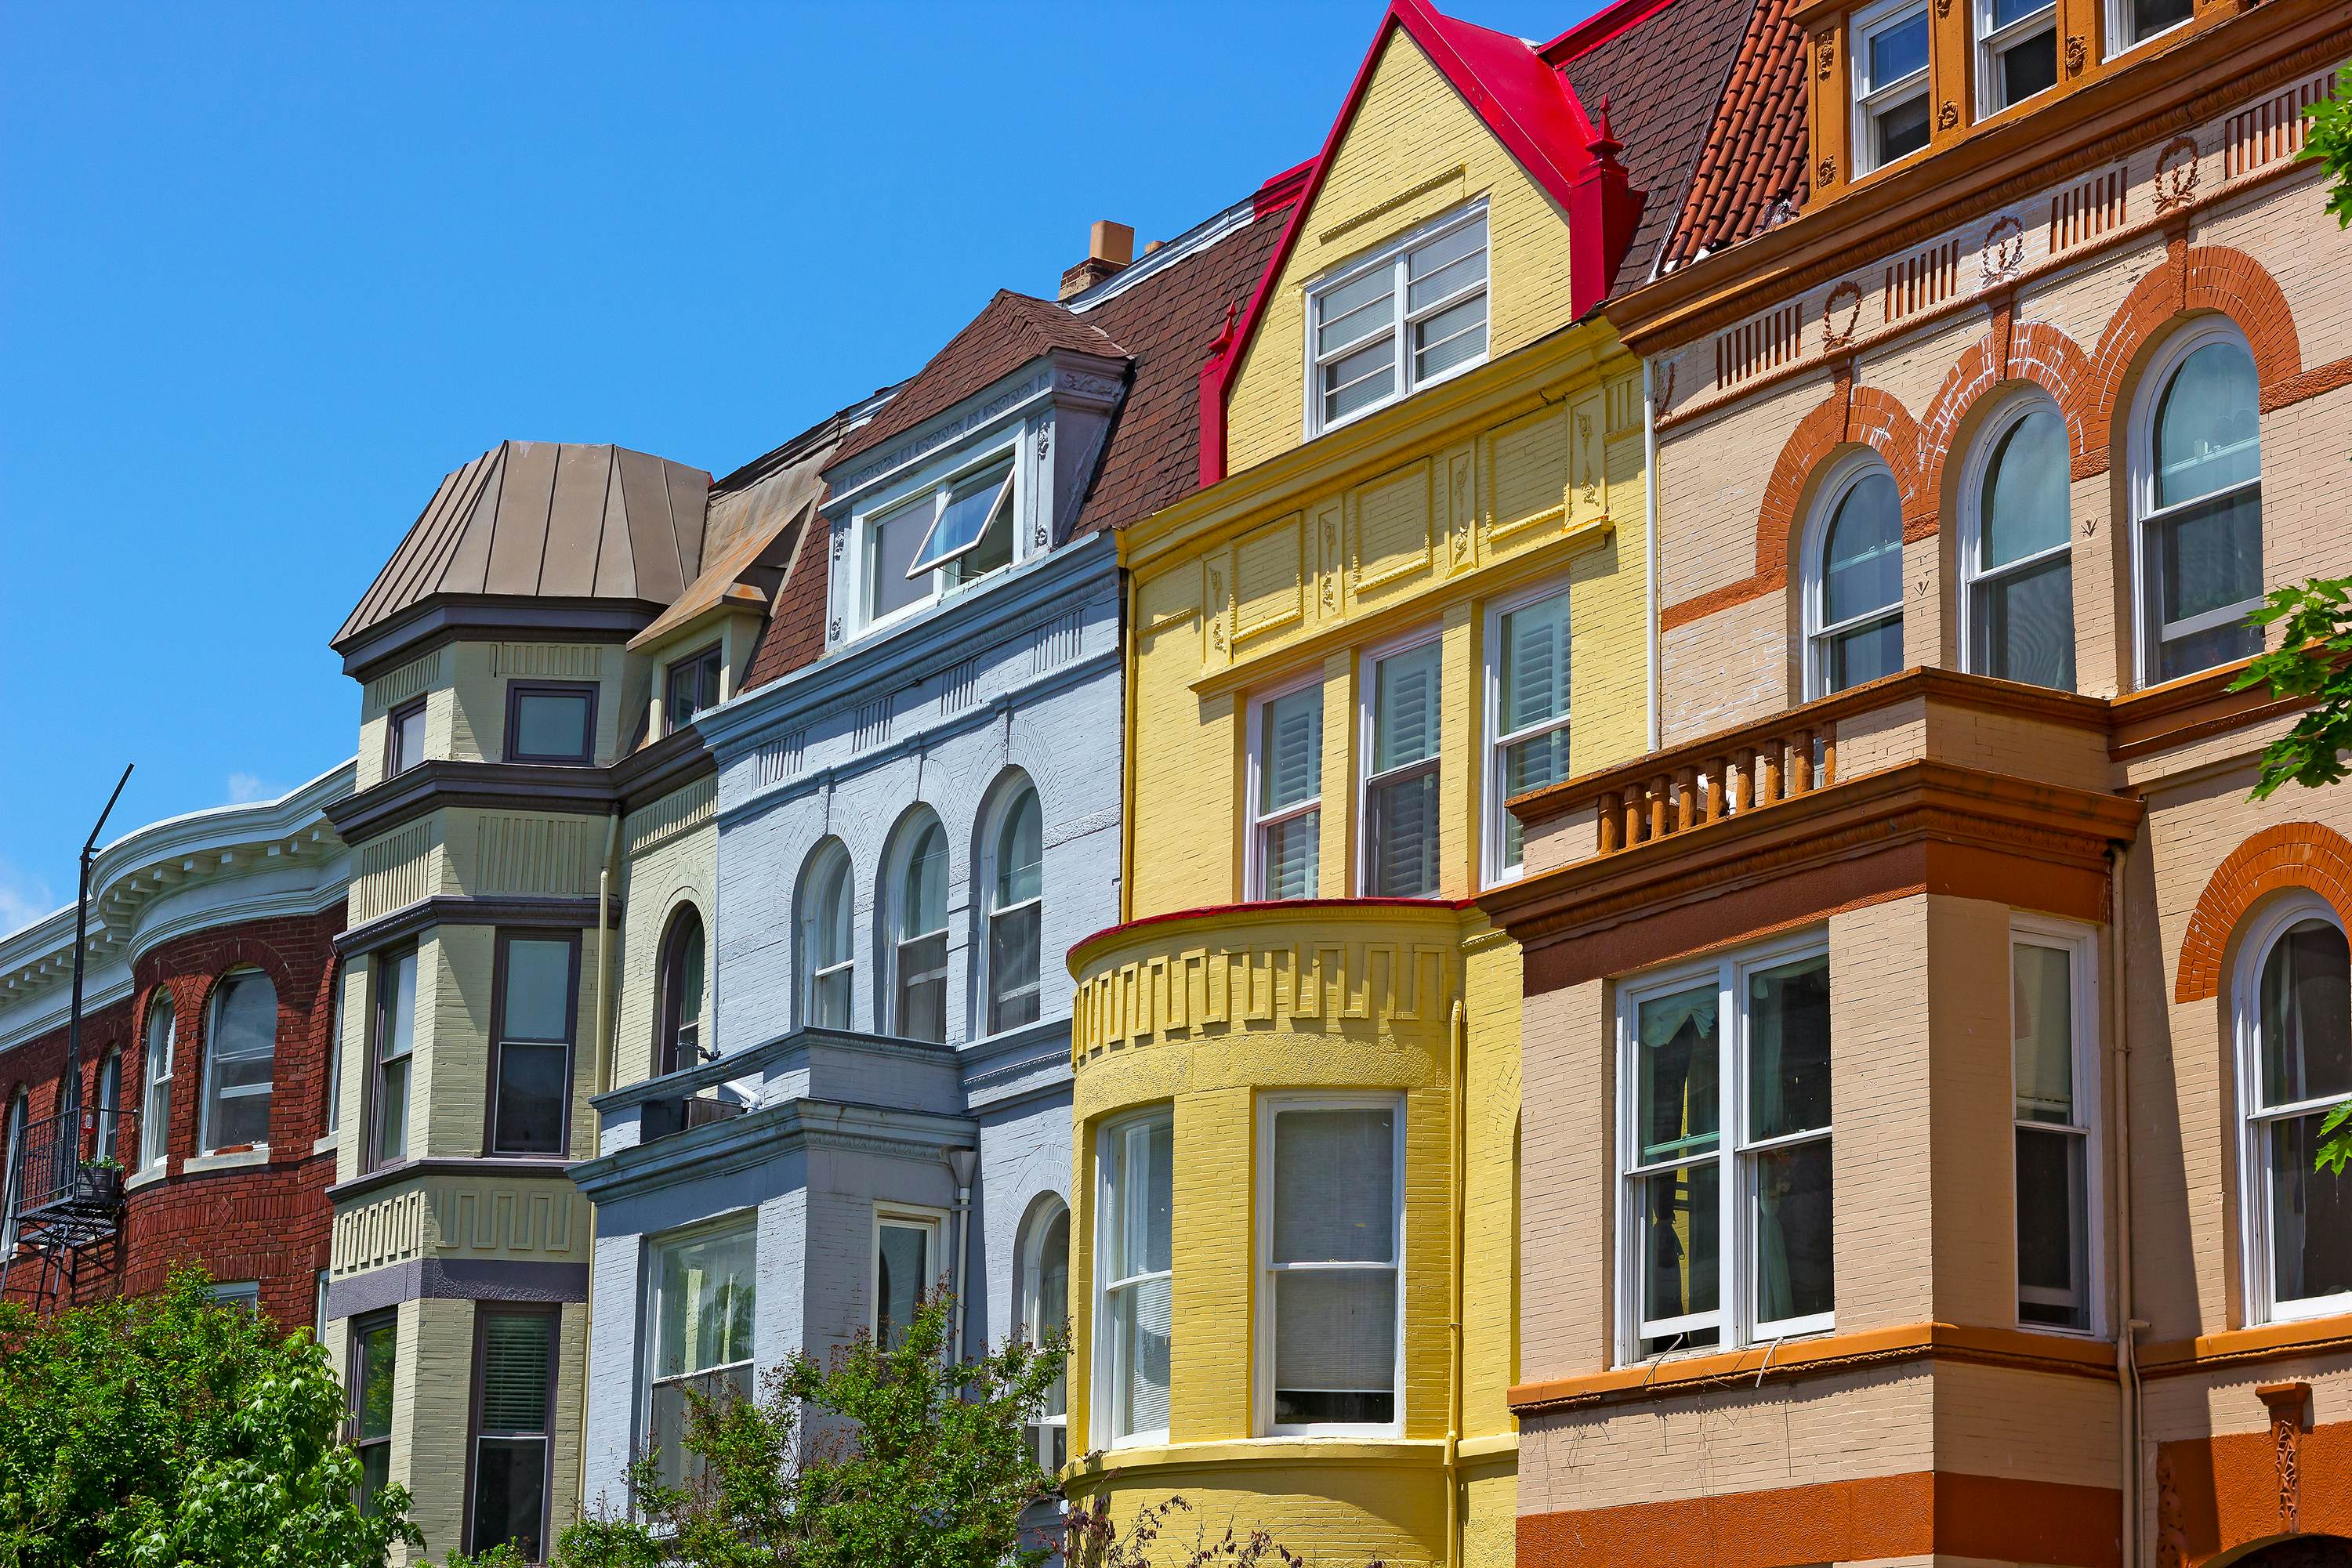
266, 273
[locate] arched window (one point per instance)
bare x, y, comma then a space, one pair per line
916, 898
1014, 875
155, 1109
1853, 588
2294, 1028
240, 1058
1045, 1307
679, 1008
2197, 498
2017, 568
109, 1108
828, 958
13, 1187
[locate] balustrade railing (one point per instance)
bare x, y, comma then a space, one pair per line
1691, 791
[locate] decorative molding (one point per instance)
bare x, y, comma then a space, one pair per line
447, 909
2076, 53
2002, 255
567, 661
1950, 115
1410, 193
397, 686
2287, 1403
2176, 173
1848, 297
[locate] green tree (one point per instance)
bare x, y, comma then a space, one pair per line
171, 1432
879, 1456
2329, 142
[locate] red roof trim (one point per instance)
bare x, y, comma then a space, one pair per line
1281, 190
1532, 110
1598, 29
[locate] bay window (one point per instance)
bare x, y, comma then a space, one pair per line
1330, 1233
391, 1049
404, 738
1134, 1265
551, 722
907, 1263
1385, 326
155, 1106
828, 958
704, 1289
536, 1008
1045, 1310
2295, 1029
2053, 1079
692, 687
1401, 783
514, 1387
1526, 693
1853, 580
1891, 89
1285, 792
372, 1365
1725, 1115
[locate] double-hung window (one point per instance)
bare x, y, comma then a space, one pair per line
1526, 693
109, 1107
920, 937
704, 1293
2017, 51
531, 1053
2053, 1080
1364, 352
514, 1387
1331, 1234
1015, 913
954, 532
1402, 711
392, 1053
906, 1267
2017, 562
1891, 89
828, 957
2131, 23
155, 1106
1133, 1261
678, 1043
1725, 1111
404, 746
1285, 792
2294, 997
374, 1364
333, 1118
240, 1061
1044, 1311
693, 687
2198, 493
1853, 598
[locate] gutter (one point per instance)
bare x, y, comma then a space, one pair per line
1649, 549
2127, 1389
1457, 1140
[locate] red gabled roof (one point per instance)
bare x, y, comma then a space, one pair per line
1533, 111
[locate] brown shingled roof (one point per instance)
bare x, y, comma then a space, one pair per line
1754, 157
1010, 330
1663, 77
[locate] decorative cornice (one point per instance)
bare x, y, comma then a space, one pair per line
446, 782
457, 909
748, 1142
441, 619
500, 1167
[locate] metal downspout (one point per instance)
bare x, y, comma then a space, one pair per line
1650, 552
2127, 1390
604, 1082
1457, 1138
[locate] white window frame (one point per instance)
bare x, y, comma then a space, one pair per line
2082, 945
1110, 1173
933, 1222
155, 1095
1008, 797
1733, 1319
2261, 934
108, 1108
12, 1178
1871, 99
1043, 1212
1270, 1106
333, 1119
2117, 18
1994, 42
1402, 320
1368, 667
1494, 870
745, 1220
2146, 634
829, 860
892, 902
967, 467
2008, 415
1253, 843
1813, 573
205, 1131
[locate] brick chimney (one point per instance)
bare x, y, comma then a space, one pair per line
1109, 248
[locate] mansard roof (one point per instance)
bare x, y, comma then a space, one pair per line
547, 521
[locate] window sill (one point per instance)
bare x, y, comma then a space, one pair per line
147, 1177
327, 1144
242, 1159
1412, 1451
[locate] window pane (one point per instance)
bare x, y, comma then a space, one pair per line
923, 988
890, 550
397, 1035
2207, 433
1903, 128
1335, 1346
923, 890
1405, 710
2042, 1020
1289, 855
1355, 309
1019, 852
378, 1352
1454, 335
689, 970
1145, 1200
392, 1112
2306, 1016
2025, 491
1334, 1186
1529, 765
1013, 954
1864, 653
1862, 558
1897, 50
407, 737
706, 1297
1446, 265
2053, 1229
830, 1005
1535, 664
1359, 380
537, 1000
245, 1022
1676, 1062
238, 1119
2026, 625
1682, 1221
1789, 1049
514, 1371
375, 1474
1290, 749
969, 508
2211, 557
2311, 1215
903, 1274
1795, 1264
509, 1494
531, 1099
2029, 65
2004, 12
552, 723
2152, 16
1140, 1326
155, 1114
1402, 818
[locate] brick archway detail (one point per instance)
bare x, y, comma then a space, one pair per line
2034, 351
2195, 278
2290, 855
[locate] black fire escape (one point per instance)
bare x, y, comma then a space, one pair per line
63, 1204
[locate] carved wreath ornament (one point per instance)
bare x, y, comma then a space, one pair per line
2004, 251
2176, 173
1845, 297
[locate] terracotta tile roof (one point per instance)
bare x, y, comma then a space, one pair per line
1663, 76
1168, 321
1754, 153
1010, 330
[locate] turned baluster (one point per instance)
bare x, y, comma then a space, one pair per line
1768, 782
1686, 800
1743, 767
1610, 804
1800, 763
1633, 816
1658, 787
1829, 756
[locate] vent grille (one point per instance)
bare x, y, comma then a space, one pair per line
1753, 347
2087, 211
2272, 129
1923, 281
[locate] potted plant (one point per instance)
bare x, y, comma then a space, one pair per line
99, 1182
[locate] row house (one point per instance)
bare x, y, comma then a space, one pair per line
1924, 1040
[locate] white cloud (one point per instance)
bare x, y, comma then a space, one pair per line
244, 787
23, 899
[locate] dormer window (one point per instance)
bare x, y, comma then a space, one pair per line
2017, 50
1891, 87
1402, 319
956, 532
693, 686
